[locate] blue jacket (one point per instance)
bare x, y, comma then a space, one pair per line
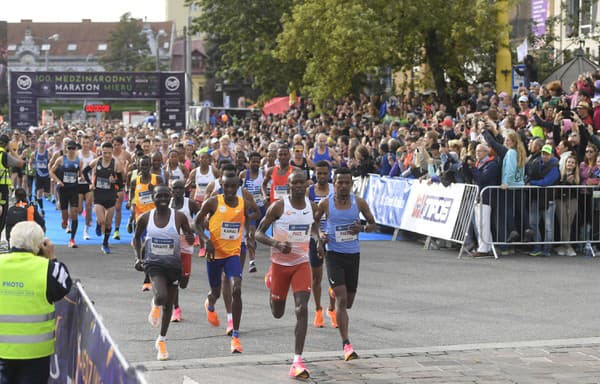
486, 173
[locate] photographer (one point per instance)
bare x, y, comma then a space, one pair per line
39, 282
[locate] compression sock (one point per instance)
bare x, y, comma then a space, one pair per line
106, 236
74, 228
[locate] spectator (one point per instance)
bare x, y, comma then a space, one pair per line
566, 207
22, 211
363, 164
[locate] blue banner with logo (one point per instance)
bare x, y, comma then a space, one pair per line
387, 198
85, 352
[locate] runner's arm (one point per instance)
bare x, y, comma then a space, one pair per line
274, 212
140, 227
366, 211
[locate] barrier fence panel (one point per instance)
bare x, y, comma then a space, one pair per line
543, 220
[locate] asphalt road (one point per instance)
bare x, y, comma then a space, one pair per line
408, 297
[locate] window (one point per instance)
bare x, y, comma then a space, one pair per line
72, 47
45, 47
12, 47
102, 46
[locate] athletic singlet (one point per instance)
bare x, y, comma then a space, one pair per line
175, 174
70, 172
316, 199
254, 186
185, 209
202, 181
162, 244
279, 184
294, 226
85, 161
339, 238
222, 157
318, 157
40, 163
103, 188
142, 196
225, 227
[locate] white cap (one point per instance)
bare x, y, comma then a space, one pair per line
524, 99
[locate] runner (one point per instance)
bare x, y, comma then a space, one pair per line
292, 218
342, 210
161, 259
278, 176
227, 214
189, 208
107, 174
316, 193
253, 180
39, 161
140, 197
125, 158
173, 169
69, 169
85, 195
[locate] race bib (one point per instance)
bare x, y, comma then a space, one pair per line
146, 197
281, 191
258, 198
69, 178
41, 165
298, 233
102, 183
230, 231
163, 247
343, 234
201, 189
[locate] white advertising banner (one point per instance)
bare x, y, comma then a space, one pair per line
432, 209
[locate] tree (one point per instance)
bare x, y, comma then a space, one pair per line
243, 35
127, 47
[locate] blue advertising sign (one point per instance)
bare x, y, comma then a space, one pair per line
518, 80
387, 198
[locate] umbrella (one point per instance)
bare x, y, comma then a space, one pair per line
277, 105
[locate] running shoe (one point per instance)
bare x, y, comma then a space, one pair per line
268, 278
161, 347
201, 252
105, 249
299, 371
229, 329
64, 224
319, 323
212, 317
349, 353
176, 316
535, 252
146, 287
117, 235
252, 267
332, 318
236, 345
154, 315
86, 235
98, 230
72, 244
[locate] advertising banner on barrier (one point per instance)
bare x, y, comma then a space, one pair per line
432, 209
387, 198
85, 352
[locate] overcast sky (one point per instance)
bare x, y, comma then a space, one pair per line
75, 10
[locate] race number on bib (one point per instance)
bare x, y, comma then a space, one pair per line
298, 233
201, 189
102, 183
343, 234
281, 191
163, 247
146, 197
69, 177
230, 231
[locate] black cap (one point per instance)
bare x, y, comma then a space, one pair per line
4, 139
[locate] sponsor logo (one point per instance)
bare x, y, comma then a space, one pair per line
172, 83
24, 82
305, 212
432, 208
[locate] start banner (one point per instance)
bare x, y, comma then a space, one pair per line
433, 209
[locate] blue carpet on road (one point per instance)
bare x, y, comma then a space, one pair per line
57, 234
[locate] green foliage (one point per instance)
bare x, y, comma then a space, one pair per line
128, 48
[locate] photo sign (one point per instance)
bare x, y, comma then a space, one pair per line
167, 87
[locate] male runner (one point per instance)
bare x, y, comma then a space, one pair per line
189, 208
65, 172
343, 210
125, 158
278, 175
253, 180
39, 161
161, 258
316, 193
227, 214
107, 174
292, 218
85, 195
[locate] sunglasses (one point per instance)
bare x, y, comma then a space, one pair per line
589, 151
71, 148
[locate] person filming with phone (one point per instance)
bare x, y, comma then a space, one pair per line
32, 281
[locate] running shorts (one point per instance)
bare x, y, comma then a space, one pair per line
342, 269
283, 277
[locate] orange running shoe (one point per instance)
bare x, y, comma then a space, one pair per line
236, 345
154, 315
212, 317
161, 347
146, 287
319, 323
332, 318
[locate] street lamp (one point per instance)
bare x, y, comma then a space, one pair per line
156, 38
54, 37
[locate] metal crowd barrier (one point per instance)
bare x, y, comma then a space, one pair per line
540, 220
